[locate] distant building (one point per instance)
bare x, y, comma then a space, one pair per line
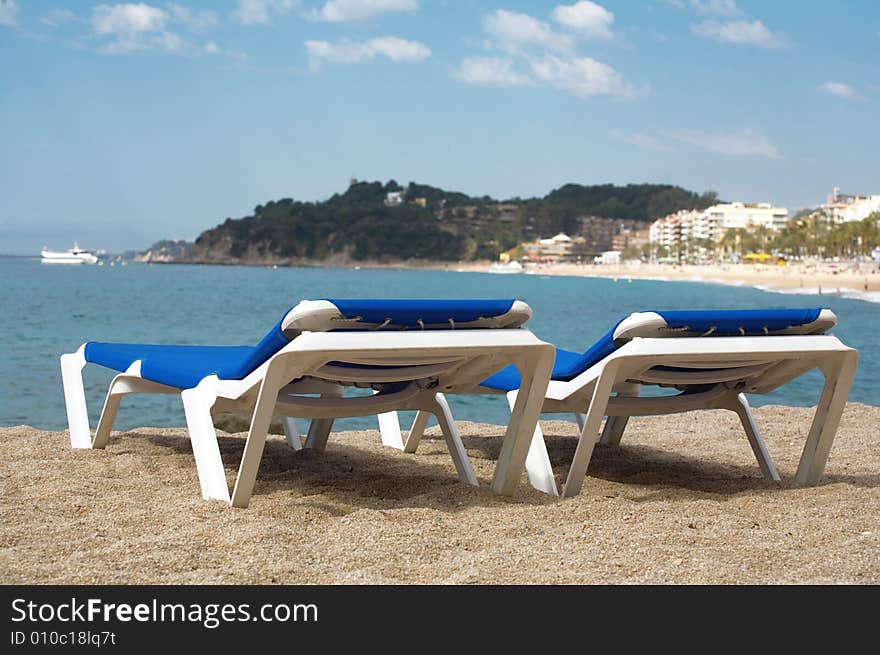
394, 198
555, 249
465, 218
740, 215
843, 208
628, 237
421, 202
599, 234
608, 258
671, 230
712, 223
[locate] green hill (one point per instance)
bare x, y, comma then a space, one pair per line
366, 224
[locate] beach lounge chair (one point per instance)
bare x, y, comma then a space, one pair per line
711, 358
404, 351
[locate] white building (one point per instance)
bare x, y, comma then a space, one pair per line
608, 258
682, 226
711, 224
556, 248
740, 215
394, 198
843, 208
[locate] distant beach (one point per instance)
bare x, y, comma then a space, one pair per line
826, 279
798, 279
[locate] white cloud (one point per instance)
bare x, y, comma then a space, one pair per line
56, 17
581, 76
745, 143
742, 32
8, 13
196, 20
586, 18
640, 140
128, 18
338, 11
134, 28
353, 52
259, 12
397, 49
726, 8
210, 48
514, 30
548, 57
490, 70
717, 7
837, 89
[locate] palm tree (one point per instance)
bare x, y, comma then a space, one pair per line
729, 241
816, 229
762, 232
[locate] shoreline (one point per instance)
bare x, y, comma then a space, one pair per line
789, 280
797, 279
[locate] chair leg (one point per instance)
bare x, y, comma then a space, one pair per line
197, 403
590, 433
535, 374
414, 437
839, 374
580, 419
538, 465
615, 425
319, 432
319, 428
256, 439
108, 417
389, 428
453, 441
72, 365
613, 431
291, 432
740, 405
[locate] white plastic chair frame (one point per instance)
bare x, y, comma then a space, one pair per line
429, 361
728, 367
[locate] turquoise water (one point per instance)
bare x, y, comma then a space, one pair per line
50, 310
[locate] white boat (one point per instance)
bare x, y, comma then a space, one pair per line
75, 255
506, 267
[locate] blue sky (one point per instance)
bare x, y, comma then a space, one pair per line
122, 123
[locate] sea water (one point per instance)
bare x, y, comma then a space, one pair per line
49, 310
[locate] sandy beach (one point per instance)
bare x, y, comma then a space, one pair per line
794, 278
680, 501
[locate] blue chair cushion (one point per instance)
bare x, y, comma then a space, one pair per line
408, 312
185, 366
568, 365
729, 321
564, 368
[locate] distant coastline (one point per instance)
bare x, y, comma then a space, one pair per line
332, 262
815, 280
792, 279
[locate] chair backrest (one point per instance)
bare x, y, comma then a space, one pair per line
724, 322
393, 314
700, 323
401, 314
